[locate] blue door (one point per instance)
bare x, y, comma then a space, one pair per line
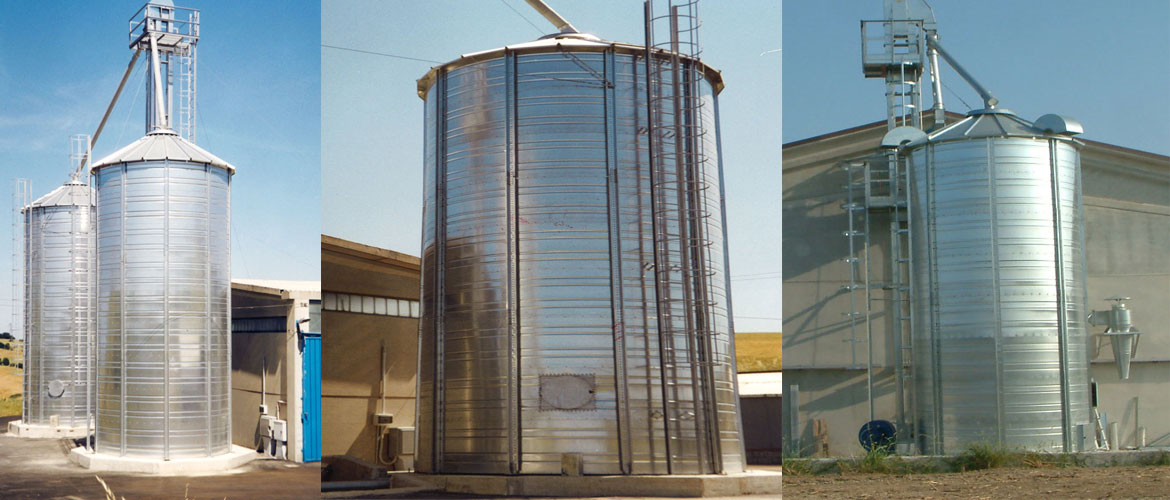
311, 396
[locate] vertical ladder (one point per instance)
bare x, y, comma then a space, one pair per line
185, 80
21, 196
682, 219
857, 235
900, 304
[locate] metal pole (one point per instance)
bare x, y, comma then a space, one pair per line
551, 15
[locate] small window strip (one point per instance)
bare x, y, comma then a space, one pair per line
369, 304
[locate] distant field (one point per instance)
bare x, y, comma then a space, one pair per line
9, 384
758, 352
10, 406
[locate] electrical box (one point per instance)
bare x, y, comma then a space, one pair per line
279, 429
383, 419
404, 437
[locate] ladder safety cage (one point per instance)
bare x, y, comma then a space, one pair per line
678, 137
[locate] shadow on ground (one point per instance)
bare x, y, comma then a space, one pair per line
40, 469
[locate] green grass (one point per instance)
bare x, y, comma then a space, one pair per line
758, 352
981, 456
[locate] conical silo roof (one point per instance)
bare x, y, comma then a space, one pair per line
1000, 122
71, 194
161, 145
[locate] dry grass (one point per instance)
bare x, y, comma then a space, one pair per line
758, 352
9, 375
10, 383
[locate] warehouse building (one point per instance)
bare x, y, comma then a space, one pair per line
275, 368
370, 310
1126, 198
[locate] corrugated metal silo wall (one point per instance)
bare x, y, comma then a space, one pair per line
990, 276
164, 310
538, 217
59, 311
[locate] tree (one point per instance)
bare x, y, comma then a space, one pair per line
6, 335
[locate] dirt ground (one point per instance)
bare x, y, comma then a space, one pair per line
1072, 482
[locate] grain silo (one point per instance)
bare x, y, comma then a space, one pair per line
59, 312
1000, 337
576, 314
164, 288
985, 290
163, 210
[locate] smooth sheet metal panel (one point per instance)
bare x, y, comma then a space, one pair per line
59, 276
987, 248
538, 216
164, 317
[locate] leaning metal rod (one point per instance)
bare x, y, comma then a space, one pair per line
551, 15
989, 100
160, 118
109, 109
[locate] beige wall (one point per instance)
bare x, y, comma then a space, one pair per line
352, 350
1127, 210
250, 353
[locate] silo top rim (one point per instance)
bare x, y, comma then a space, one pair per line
70, 194
993, 122
581, 42
159, 145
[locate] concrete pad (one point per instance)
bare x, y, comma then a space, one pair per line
753, 482
183, 466
33, 431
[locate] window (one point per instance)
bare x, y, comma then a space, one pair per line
369, 304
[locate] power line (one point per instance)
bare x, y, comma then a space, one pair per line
530, 23
381, 54
766, 273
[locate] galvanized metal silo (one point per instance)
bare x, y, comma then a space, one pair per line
575, 302
1000, 344
164, 292
59, 308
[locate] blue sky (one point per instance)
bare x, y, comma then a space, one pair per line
1104, 63
259, 109
372, 140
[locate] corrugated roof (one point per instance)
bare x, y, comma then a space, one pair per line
161, 145
71, 194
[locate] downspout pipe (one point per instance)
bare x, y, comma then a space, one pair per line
989, 100
940, 114
551, 15
106, 116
